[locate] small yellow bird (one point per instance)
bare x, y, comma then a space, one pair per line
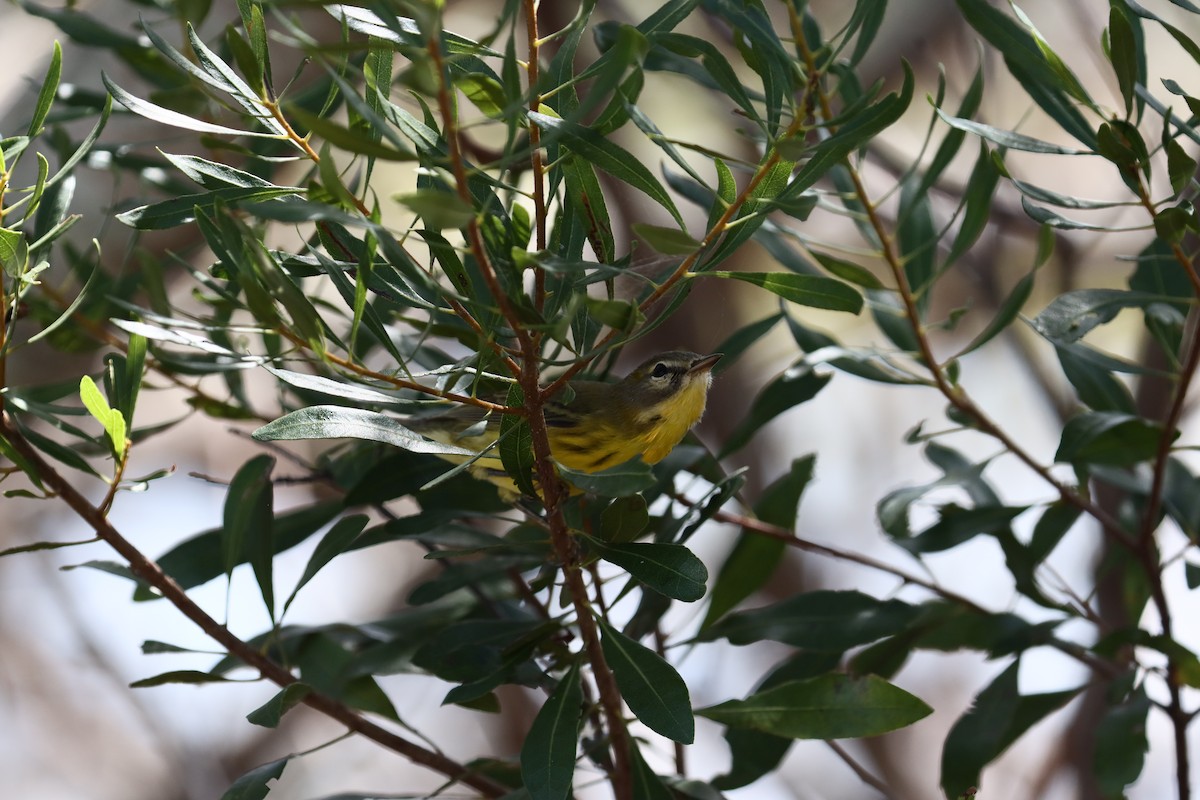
602, 424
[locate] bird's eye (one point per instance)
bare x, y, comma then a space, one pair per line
660, 369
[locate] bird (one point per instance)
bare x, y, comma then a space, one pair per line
596, 424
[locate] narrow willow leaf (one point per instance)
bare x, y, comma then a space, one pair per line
1037, 68
182, 210
548, 754
437, 209
1121, 744
197, 560
1128, 58
1070, 316
997, 718
807, 290
516, 445
1009, 139
1009, 310
352, 141
607, 156
166, 116
650, 686
622, 480
826, 707
332, 544
1096, 387
1107, 437
669, 569
336, 422
647, 785
754, 557
848, 270
820, 621
797, 384
270, 713
668, 241
624, 519
14, 252
253, 785
346, 391
179, 676
45, 98
249, 520
110, 418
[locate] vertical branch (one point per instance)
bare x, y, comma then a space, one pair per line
535, 149
550, 485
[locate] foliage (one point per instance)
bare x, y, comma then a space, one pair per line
506, 271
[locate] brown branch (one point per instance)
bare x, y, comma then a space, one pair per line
149, 571
550, 488
789, 537
535, 149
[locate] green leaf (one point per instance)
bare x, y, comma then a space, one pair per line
516, 445
1009, 310
807, 290
826, 707
271, 713
485, 93
249, 519
848, 270
1010, 140
173, 118
1038, 69
1070, 316
45, 98
343, 138
338, 422
183, 209
669, 569
1127, 57
1121, 744
606, 155
620, 315
1096, 387
997, 718
189, 676
1180, 166
253, 785
755, 557
437, 209
668, 241
548, 753
624, 519
956, 525
821, 621
796, 385
14, 252
1110, 438
620, 481
332, 544
647, 785
197, 560
110, 418
650, 686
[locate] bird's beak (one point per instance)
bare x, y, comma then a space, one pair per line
704, 363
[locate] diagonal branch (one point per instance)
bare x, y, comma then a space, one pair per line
149, 571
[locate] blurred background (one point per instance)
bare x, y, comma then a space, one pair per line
70, 640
